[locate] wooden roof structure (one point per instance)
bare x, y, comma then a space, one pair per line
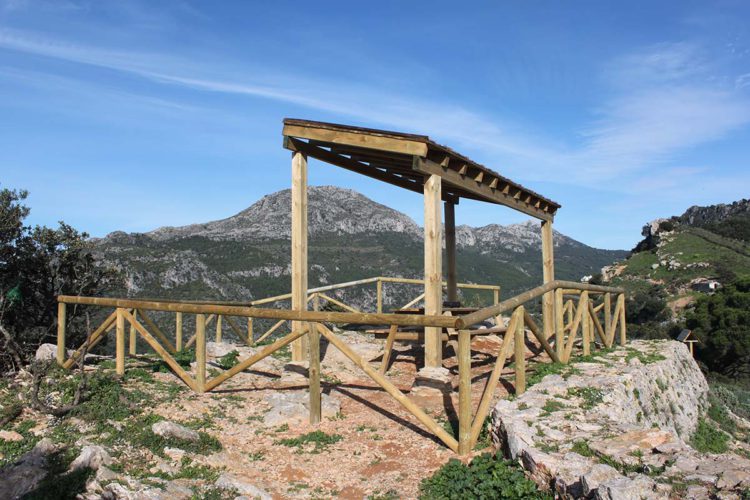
405, 160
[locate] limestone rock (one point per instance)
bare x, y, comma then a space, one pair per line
23, 476
10, 436
623, 488
91, 457
232, 482
435, 378
168, 429
599, 473
294, 407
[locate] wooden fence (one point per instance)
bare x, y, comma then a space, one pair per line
583, 317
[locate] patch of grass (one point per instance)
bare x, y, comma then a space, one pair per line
191, 470
283, 354
645, 358
551, 406
582, 448
591, 396
229, 360
709, 439
384, 495
319, 439
256, 456
484, 477
183, 358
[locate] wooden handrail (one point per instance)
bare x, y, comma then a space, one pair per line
468, 320
257, 312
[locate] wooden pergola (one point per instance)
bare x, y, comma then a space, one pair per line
416, 163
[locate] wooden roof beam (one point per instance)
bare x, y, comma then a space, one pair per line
354, 138
324, 155
429, 167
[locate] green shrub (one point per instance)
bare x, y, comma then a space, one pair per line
709, 439
486, 477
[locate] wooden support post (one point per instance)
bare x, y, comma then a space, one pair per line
120, 344
495, 297
314, 372
450, 251
519, 356
464, 392
133, 337
178, 331
433, 270
607, 317
299, 249
62, 314
200, 352
559, 324
219, 329
548, 271
379, 291
585, 323
623, 325
250, 339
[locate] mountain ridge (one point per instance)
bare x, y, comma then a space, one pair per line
246, 256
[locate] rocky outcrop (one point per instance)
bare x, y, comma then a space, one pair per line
617, 427
701, 216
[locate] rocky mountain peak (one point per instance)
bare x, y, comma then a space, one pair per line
330, 210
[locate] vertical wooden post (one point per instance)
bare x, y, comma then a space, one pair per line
299, 249
607, 317
464, 392
200, 352
585, 323
379, 290
622, 324
133, 336
250, 338
495, 296
219, 328
62, 314
313, 372
559, 324
519, 357
120, 343
433, 270
178, 331
450, 251
548, 272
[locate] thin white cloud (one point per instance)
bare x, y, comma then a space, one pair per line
663, 102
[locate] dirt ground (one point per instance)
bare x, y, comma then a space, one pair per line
383, 452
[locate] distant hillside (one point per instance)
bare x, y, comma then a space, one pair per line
680, 256
246, 256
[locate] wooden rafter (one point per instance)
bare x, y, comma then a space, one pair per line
405, 160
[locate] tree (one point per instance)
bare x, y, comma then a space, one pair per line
722, 324
36, 265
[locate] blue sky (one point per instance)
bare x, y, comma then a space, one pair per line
132, 115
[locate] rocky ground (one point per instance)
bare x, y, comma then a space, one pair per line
626, 424
619, 424
150, 438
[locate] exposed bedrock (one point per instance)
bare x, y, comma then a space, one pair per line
617, 426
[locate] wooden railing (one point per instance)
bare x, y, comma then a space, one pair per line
576, 309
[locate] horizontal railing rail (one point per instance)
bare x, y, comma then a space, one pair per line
576, 320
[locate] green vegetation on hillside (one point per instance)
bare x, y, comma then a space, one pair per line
722, 324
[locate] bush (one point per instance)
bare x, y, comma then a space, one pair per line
36, 265
722, 324
486, 477
709, 439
